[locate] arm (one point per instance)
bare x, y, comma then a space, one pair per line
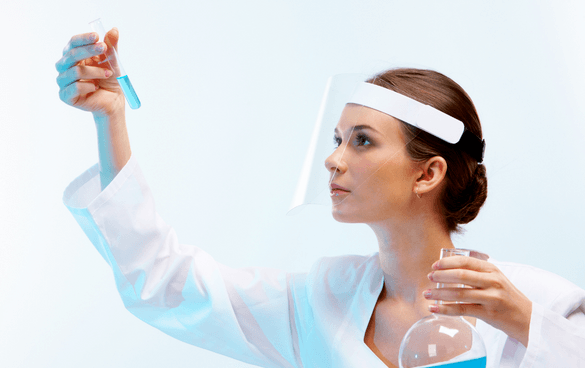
113, 145
86, 83
247, 314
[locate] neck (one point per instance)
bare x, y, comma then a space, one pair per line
407, 252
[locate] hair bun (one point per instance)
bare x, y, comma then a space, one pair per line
474, 196
466, 183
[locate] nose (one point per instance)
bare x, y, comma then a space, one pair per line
334, 163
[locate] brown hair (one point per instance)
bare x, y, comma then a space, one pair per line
466, 182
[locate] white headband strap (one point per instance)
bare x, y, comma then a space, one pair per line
410, 111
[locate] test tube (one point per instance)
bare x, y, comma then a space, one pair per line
116, 66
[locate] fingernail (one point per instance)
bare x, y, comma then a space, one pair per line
435, 266
434, 308
430, 275
100, 47
108, 73
427, 294
92, 37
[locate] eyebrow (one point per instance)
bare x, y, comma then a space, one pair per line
359, 127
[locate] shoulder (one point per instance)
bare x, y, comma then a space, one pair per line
543, 287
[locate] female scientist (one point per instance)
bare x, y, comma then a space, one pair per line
411, 186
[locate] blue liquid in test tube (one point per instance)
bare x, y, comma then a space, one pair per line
129, 92
116, 66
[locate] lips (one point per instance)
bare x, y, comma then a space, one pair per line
338, 187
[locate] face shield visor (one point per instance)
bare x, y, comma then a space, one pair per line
357, 134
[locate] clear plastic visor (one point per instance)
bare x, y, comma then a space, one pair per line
350, 152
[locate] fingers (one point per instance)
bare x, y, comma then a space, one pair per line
462, 295
461, 276
78, 54
84, 46
111, 38
80, 40
469, 263
73, 92
460, 301
79, 72
473, 310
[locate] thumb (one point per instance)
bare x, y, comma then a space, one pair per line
111, 38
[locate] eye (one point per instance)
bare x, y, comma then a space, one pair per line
362, 140
336, 141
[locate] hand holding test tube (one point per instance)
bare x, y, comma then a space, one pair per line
113, 60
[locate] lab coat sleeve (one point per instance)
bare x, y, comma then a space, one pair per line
557, 333
247, 314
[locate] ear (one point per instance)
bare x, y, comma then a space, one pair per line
431, 175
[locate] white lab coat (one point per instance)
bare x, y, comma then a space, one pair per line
272, 318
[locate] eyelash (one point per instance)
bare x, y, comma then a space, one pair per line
361, 138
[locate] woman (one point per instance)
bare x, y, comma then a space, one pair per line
349, 311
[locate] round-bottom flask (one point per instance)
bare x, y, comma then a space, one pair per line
444, 341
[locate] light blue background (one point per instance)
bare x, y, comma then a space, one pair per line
230, 91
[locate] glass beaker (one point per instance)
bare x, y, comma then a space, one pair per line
444, 341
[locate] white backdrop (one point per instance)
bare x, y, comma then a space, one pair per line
230, 90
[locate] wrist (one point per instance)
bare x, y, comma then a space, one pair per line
109, 119
523, 330
113, 145
114, 110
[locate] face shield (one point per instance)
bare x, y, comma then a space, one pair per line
353, 139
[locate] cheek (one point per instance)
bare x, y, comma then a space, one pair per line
384, 183
391, 185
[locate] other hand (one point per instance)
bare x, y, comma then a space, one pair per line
491, 298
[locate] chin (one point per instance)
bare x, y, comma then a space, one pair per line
362, 214
342, 215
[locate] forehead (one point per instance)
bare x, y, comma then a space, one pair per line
353, 115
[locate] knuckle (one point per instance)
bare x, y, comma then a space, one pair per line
70, 90
499, 297
62, 79
59, 65
75, 73
459, 294
63, 95
496, 299
74, 53
498, 283
75, 88
492, 313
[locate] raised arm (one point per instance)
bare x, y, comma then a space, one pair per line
248, 314
86, 83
